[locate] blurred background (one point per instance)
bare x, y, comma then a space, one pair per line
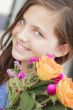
8, 11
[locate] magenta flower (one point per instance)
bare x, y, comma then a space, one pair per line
32, 60
51, 56
60, 77
51, 89
21, 75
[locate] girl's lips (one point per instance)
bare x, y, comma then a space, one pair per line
19, 47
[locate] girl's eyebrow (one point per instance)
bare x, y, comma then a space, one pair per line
40, 30
36, 27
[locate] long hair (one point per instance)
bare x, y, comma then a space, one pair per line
63, 30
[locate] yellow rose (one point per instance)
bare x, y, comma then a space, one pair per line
48, 69
64, 92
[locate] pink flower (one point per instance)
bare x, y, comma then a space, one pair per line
21, 75
51, 89
51, 56
32, 60
60, 77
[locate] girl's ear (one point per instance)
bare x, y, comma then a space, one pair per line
62, 50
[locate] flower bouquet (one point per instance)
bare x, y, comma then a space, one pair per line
44, 87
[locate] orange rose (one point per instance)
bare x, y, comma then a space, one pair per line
48, 69
64, 92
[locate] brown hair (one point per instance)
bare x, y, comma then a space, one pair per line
63, 30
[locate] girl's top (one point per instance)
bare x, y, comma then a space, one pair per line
3, 96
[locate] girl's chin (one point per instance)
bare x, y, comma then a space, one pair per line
19, 57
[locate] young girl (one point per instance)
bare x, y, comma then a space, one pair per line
41, 27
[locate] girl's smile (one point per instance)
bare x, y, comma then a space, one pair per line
20, 47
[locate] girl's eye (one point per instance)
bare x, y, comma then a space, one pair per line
22, 21
37, 33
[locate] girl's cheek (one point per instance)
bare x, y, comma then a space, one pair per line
17, 29
14, 31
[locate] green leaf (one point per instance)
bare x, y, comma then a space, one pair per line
38, 106
26, 101
40, 86
38, 109
57, 106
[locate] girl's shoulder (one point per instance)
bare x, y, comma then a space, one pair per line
3, 88
3, 95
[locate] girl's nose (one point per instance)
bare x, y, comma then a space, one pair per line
23, 35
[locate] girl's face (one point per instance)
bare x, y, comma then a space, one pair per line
34, 35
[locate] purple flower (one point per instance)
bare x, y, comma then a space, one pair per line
51, 89
32, 60
11, 73
18, 64
21, 75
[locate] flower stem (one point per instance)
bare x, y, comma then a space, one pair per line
66, 108
5, 100
14, 100
45, 101
19, 108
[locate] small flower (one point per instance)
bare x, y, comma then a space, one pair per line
18, 64
60, 77
51, 89
21, 75
11, 73
51, 56
32, 60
